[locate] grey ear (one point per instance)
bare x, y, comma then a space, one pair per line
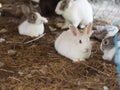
64, 5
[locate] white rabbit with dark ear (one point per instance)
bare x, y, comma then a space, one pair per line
108, 47
76, 12
73, 44
33, 26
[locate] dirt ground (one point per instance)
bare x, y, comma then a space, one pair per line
37, 66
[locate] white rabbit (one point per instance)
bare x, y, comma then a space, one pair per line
33, 26
76, 12
73, 44
108, 47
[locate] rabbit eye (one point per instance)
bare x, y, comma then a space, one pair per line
33, 17
80, 41
106, 42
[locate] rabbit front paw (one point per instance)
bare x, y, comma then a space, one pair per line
78, 60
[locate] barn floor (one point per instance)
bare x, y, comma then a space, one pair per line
37, 66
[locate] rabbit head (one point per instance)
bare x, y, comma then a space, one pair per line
84, 39
62, 5
108, 47
74, 44
36, 18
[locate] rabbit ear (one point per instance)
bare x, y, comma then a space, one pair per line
88, 30
44, 20
74, 30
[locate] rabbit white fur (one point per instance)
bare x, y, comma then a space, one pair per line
78, 12
33, 26
108, 48
73, 44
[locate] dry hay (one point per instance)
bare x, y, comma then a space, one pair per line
37, 66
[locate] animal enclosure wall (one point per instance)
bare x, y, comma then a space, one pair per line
108, 10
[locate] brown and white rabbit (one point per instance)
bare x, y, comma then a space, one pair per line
33, 26
76, 12
74, 44
108, 47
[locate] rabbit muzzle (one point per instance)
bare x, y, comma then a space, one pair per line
86, 50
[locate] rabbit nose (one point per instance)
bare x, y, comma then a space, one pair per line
86, 50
